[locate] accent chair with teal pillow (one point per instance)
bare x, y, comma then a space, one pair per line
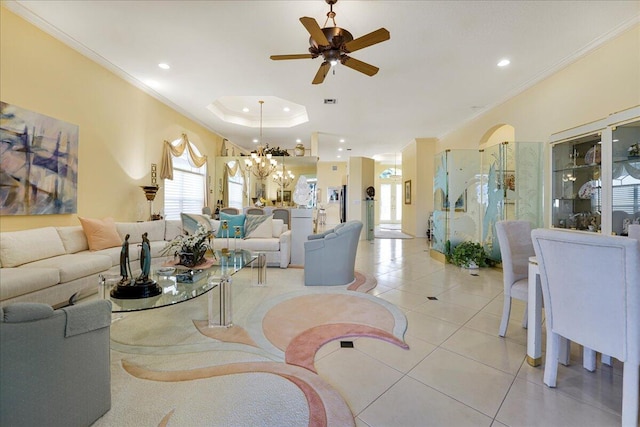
233, 221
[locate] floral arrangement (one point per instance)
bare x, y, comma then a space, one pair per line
190, 248
634, 150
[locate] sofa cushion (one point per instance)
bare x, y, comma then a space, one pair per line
21, 247
172, 229
154, 229
263, 245
258, 226
74, 266
191, 222
278, 227
73, 239
233, 221
20, 281
101, 233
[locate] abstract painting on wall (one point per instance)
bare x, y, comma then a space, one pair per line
38, 163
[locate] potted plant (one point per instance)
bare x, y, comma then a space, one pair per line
469, 255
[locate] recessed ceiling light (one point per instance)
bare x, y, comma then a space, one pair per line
255, 141
339, 156
164, 66
340, 149
298, 140
342, 140
504, 63
286, 109
245, 110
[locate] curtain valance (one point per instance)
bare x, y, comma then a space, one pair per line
169, 150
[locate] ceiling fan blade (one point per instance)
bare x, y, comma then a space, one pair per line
314, 29
294, 56
322, 73
363, 67
377, 36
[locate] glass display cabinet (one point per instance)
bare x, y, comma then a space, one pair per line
595, 175
577, 183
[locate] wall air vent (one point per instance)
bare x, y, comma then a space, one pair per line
330, 101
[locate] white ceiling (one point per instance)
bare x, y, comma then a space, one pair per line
437, 71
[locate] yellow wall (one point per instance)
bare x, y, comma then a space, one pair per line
361, 172
418, 167
602, 82
605, 81
327, 177
121, 128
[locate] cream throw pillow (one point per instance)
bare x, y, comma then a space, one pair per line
258, 227
101, 233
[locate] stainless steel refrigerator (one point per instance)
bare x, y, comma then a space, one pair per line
343, 203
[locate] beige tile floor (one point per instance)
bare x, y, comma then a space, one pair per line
458, 372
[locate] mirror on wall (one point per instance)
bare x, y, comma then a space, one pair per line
239, 186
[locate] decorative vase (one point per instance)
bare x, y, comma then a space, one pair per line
299, 150
191, 259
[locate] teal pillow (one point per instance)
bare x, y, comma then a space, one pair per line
233, 220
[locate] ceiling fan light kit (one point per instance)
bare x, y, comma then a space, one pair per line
334, 44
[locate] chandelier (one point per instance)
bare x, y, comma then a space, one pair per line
259, 164
283, 179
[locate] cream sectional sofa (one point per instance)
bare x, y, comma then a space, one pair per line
50, 264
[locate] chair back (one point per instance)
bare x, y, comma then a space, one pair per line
514, 238
206, 210
230, 211
591, 289
255, 211
283, 214
634, 231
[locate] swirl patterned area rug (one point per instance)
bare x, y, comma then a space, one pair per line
170, 368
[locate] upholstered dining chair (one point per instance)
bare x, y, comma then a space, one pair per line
230, 211
591, 290
634, 231
283, 214
206, 210
514, 238
255, 211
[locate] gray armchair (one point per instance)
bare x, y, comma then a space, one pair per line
330, 257
54, 365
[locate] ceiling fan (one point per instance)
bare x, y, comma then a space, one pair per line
334, 43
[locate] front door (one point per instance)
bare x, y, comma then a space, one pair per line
390, 203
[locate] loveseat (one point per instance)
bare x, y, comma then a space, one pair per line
259, 233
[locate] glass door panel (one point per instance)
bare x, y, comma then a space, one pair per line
385, 202
390, 203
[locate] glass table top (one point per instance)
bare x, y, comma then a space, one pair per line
180, 285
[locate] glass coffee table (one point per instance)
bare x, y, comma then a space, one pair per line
182, 284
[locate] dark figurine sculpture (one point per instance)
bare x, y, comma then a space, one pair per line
145, 259
143, 286
125, 265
